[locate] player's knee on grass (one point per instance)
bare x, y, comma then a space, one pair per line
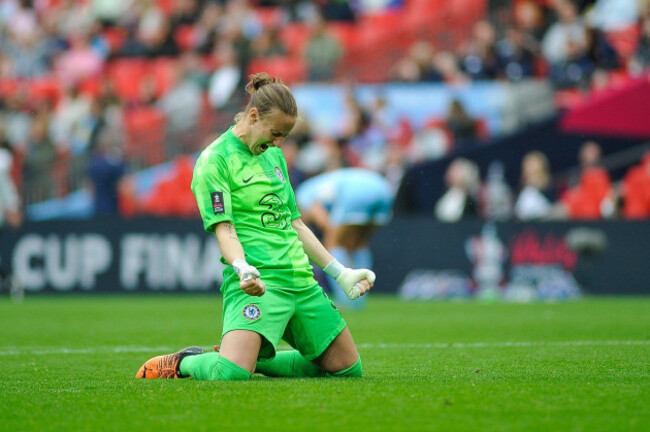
354, 371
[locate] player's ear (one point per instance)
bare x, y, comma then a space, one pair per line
253, 115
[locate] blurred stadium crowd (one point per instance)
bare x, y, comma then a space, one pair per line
93, 91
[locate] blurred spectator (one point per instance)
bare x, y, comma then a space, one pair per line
86, 131
182, 106
186, 12
224, 92
635, 190
233, 33
16, 120
22, 21
79, 62
612, 15
109, 11
479, 54
565, 47
151, 22
322, 53
206, 30
460, 200
355, 116
535, 198
641, 59
591, 197
516, 55
73, 108
600, 52
461, 126
529, 17
106, 168
73, 18
269, 44
567, 37
589, 155
10, 211
417, 65
39, 161
446, 64
164, 44
338, 10
369, 148
242, 13
496, 196
26, 57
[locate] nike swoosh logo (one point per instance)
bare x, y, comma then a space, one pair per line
248, 179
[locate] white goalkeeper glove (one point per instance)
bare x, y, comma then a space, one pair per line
249, 278
355, 283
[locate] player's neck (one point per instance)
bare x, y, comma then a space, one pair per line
242, 132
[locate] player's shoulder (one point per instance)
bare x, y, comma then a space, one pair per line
220, 148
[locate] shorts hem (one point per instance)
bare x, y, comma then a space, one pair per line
328, 341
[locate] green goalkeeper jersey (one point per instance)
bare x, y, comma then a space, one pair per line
254, 194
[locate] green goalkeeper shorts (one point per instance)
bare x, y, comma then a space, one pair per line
306, 318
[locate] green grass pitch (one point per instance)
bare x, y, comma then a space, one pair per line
68, 364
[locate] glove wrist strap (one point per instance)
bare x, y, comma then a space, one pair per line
333, 269
238, 265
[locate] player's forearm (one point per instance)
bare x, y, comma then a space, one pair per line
229, 243
312, 246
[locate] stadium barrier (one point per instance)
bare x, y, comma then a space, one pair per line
174, 255
551, 259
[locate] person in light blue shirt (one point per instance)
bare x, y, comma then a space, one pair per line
346, 205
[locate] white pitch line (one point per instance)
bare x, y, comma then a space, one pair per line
12, 351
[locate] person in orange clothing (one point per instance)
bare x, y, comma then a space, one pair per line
636, 190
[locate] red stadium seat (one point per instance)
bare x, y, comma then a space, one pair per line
269, 16
115, 37
163, 72
90, 86
126, 76
186, 37
172, 195
166, 6
345, 33
374, 33
45, 88
294, 36
9, 86
290, 69
145, 129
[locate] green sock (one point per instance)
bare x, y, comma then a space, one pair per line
288, 364
354, 371
211, 367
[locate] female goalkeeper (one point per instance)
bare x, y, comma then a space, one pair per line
269, 293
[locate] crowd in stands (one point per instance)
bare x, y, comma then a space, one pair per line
93, 89
586, 194
580, 45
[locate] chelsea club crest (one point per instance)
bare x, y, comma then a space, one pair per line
251, 312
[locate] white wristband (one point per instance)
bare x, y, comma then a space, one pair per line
333, 269
238, 265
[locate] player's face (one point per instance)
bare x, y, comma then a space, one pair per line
270, 130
